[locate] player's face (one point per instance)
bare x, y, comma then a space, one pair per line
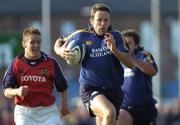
32, 46
100, 22
131, 43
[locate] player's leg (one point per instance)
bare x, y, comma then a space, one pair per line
124, 118
138, 116
104, 109
22, 116
99, 121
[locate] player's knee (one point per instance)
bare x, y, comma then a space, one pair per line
110, 114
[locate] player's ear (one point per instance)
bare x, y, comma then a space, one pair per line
23, 44
91, 20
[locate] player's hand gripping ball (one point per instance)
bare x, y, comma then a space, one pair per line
78, 50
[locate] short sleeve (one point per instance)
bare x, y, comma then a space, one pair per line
59, 80
9, 79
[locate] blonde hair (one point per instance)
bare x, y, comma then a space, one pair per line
29, 31
99, 7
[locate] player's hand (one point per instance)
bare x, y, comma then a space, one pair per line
22, 91
66, 53
64, 111
109, 41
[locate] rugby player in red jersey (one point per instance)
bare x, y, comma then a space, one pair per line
29, 80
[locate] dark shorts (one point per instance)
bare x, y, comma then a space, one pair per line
145, 115
87, 93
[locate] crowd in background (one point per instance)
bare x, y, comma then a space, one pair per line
169, 113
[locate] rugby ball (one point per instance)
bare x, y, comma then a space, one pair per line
78, 50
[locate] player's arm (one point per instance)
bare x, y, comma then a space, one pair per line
57, 46
123, 57
62, 87
147, 67
9, 84
61, 50
64, 106
11, 92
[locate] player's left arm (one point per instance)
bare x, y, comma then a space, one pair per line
123, 57
64, 106
62, 87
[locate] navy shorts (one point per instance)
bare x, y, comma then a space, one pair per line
87, 93
145, 115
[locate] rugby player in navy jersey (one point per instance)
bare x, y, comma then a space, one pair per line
29, 80
138, 107
101, 74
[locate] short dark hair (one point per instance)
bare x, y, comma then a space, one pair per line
99, 7
132, 33
29, 31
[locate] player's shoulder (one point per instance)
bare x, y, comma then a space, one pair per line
146, 53
47, 57
15, 61
50, 58
18, 58
147, 56
116, 32
78, 33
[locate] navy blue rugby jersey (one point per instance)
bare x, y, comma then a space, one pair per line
137, 85
100, 67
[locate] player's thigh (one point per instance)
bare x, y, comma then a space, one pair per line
101, 106
23, 120
21, 117
53, 119
124, 118
98, 120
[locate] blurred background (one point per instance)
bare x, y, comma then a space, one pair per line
157, 21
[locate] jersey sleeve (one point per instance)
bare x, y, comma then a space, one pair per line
119, 42
9, 80
59, 80
149, 58
75, 35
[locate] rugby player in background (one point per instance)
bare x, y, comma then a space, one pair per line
138, 107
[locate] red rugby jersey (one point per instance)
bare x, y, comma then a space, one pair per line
39, 78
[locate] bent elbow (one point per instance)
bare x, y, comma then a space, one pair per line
152, 72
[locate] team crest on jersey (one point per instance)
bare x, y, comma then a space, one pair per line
44, 72
88, 42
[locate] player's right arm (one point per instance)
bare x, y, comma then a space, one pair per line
61, 50
11, 92
9, 83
